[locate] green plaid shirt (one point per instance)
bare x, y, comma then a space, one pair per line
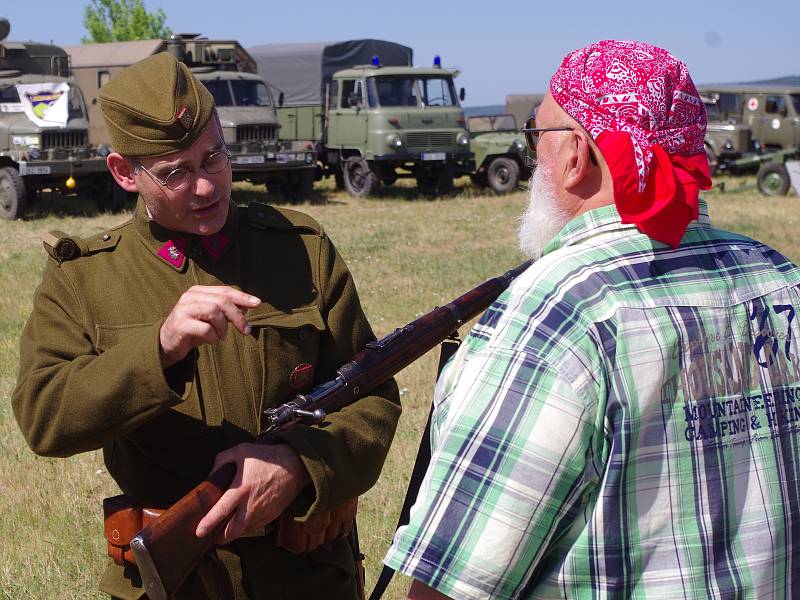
622, 423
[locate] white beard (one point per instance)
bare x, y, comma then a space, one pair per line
543, 218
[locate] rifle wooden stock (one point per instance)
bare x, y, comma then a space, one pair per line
167, 550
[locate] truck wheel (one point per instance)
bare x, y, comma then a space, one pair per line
773, 179
713, 161
12, 193
359, 179
503, 175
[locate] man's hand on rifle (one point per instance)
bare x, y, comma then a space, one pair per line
268, 478
201, 316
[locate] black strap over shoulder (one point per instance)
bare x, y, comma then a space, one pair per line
448, 348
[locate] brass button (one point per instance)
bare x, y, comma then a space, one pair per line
106, 237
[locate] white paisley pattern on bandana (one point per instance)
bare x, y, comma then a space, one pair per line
637, 88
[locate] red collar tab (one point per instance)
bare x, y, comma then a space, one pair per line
174, 253
215, 245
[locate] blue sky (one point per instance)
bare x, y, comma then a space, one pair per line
500, 47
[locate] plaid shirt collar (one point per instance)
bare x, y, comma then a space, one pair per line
606, 221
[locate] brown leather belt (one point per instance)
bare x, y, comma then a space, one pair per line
124, 518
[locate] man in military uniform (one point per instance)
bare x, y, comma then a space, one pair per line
163, 340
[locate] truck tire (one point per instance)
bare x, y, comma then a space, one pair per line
12, 193
713, 161
359, 179
503, 175
773, 179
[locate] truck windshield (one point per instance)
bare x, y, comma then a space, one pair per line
796, 102
239, 92
492, 123
413, 91
10, 96
250, 93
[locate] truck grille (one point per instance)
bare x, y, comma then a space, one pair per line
255, 133
430, 139
63, 139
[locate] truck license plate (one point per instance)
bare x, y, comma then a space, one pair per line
248, 160
25, 169
433, 156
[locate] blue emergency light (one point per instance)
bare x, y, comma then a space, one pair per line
437, 61
376, 62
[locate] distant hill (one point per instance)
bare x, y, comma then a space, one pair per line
789, 81
490, 109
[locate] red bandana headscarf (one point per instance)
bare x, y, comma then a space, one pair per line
640, 105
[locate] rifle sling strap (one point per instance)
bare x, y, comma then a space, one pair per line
448, 348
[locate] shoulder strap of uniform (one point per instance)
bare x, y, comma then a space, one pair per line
263, 216
63, 247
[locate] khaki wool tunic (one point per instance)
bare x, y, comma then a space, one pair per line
90, 377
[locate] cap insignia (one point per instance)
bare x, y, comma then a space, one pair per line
184, 117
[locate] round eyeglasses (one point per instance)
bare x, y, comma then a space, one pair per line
179, 178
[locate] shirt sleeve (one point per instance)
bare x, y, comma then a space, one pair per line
509, 451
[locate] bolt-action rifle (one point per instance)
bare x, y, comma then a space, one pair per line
167, 550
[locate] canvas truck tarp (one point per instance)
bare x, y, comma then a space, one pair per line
523, 106
301, 71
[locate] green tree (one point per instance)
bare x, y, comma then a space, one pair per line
122, 20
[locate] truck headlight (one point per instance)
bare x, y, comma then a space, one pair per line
519, 145
394, 141
34, 153
462, 139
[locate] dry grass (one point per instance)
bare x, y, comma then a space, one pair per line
407, 256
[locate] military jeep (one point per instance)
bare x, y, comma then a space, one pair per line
500, 152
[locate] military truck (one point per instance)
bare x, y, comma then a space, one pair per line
44, 138
371, 115
501, 156
726, 139
523, 106
771, 112
244, 101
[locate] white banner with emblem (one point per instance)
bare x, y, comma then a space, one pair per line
46, 104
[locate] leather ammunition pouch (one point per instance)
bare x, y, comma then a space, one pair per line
123, 518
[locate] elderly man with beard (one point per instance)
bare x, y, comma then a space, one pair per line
623, 421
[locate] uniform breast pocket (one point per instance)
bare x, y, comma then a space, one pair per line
286, 340
182, 420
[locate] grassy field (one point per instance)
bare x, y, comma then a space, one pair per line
407, 255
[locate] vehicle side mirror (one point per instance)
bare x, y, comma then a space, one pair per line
354, 100
462, 93
280, 99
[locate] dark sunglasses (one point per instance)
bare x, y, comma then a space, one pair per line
532, 134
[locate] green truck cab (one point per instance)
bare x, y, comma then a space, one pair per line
372, 117
36, 152
501, 156
771, 112
726, 139
245, 104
